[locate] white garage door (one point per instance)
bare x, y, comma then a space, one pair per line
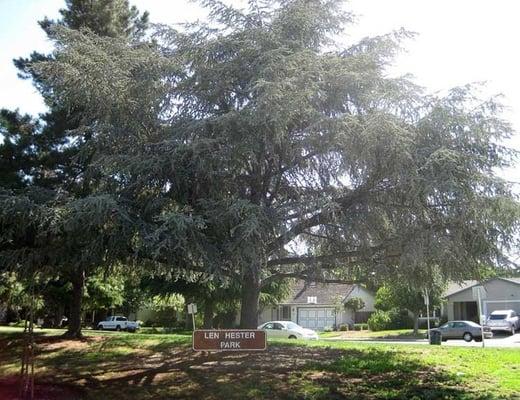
316, 318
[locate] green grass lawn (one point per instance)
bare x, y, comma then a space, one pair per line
163, 366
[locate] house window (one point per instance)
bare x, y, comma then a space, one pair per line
286, 313
312, 299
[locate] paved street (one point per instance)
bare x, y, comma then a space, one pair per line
500, 340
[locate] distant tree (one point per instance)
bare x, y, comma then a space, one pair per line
339, 304
252, 148
217, 303
403, 296
169, 301
103, 292
56, 294
45, 152
14, 297
135, 297
355, 304
17, 149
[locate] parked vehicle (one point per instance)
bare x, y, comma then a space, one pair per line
466, 330
287, 330
118, 323
504, 320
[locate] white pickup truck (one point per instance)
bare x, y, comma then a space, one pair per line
118, 323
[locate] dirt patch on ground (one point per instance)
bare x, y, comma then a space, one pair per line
10, 390
56, 344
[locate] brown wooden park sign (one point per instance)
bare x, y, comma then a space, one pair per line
229, 340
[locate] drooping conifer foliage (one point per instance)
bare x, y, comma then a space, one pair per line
258, 146
46, 169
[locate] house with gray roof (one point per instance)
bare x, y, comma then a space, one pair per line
499, 294
315, 305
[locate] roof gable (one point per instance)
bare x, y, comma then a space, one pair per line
325, 293
454, 288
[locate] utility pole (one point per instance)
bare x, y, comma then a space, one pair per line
480, 316
477, 293
427, 302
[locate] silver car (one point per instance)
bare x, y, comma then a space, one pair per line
504, 320
467, 330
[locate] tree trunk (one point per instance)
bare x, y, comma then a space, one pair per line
78, 284
188, 321
415, 324
250, 296
228, 320
58, 316
3, 313
208, 314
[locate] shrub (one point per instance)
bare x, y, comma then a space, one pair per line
379, 321
423, 323
18, 324
360, 327
355, 304
327, 329
391, 319
152, 324
343, 327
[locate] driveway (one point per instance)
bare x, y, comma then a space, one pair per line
499, 340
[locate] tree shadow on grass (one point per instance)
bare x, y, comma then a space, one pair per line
117, 369
379, 374
282, 372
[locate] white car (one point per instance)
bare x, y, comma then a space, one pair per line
118, 323
504, 320
287, 330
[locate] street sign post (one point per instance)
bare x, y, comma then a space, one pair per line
192, 309
427, 303
229, 340
478, 294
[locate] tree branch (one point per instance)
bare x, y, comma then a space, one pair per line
307, 277
307, 260
322, 217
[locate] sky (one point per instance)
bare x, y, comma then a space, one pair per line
458, 42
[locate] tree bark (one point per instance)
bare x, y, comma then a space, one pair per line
188, 324
78, 284
250, 298
208, 314
228, 320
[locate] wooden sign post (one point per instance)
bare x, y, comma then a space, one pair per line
229, 340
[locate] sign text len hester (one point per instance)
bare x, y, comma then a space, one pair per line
229, 340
